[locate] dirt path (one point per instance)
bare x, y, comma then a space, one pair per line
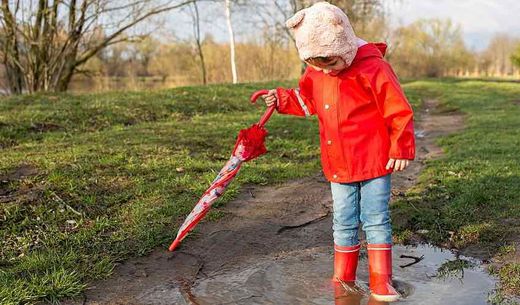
263, 223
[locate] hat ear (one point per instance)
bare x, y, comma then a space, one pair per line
295, 20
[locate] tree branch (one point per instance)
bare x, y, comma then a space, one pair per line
85, 56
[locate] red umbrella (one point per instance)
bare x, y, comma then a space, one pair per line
249, 145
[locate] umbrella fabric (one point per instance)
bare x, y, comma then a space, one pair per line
249, 145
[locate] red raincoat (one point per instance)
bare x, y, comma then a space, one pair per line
364, 116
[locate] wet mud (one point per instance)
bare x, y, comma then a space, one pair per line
274, 246
303, 277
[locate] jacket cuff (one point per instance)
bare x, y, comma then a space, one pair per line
405, 155
281, 100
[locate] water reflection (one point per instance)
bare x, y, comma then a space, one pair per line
303, 277
454, 268
347, 297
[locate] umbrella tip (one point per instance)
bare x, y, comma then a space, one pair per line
173, 245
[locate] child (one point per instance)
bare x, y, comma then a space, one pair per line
366, 133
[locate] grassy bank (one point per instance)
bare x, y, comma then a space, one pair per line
89, 180
470, 198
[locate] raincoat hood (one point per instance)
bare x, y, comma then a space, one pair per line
377, 50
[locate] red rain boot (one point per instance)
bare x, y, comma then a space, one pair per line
345, 263
380, 271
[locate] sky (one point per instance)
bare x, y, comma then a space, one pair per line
480, 19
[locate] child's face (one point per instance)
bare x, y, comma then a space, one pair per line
332, 67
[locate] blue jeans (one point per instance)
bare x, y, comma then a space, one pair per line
366, 202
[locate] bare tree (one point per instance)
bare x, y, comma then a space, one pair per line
431, 47
43, 43
231, 41
499, 55
515, 56
198, 41
285, 9
10, 49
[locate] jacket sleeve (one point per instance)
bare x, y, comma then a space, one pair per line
297, 101
396, 110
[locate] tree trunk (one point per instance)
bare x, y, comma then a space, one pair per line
63, 82
14, 78
231, 42
11, 52
198, 42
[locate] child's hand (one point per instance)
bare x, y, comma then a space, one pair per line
270, 98
397, 164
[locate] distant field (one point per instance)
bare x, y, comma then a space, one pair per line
88, 180
107, 83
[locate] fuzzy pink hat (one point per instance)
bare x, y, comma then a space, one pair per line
323, 30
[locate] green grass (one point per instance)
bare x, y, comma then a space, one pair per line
471, 196
509, 276
115, 173
474, 189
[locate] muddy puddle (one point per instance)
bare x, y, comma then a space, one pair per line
303, 277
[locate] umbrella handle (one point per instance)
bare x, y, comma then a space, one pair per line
268, 112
